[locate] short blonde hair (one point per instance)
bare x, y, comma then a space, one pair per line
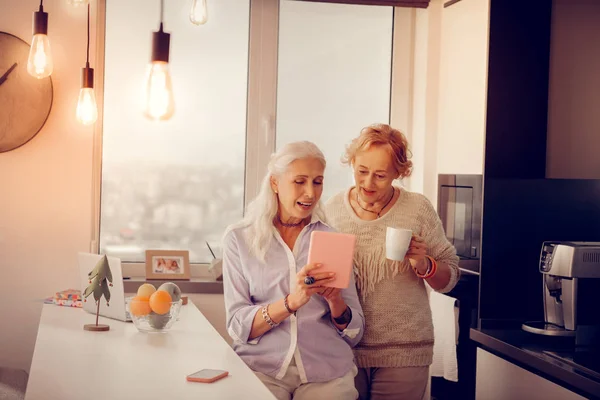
382, 135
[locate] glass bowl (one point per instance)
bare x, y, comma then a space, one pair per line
153, 322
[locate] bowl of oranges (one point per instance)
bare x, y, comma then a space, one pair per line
155, 310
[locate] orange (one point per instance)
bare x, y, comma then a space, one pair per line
139, 306
160, 302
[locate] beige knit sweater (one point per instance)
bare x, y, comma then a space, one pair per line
399, 329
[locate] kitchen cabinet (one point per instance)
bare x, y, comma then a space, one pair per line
574, 91
498, 379
517, 92
463, 87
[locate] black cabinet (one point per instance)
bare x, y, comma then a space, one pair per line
517, 99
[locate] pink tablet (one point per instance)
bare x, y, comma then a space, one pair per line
336, 252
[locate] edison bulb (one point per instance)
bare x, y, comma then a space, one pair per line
39, 63
159, 92
87, 110
199, 12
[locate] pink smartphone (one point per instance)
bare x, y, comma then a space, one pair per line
336, 252
207, 375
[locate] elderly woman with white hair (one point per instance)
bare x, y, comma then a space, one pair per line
292, 330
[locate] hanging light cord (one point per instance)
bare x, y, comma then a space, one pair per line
87, 56
41, 3
162, 11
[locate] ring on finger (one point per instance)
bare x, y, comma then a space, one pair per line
309, 280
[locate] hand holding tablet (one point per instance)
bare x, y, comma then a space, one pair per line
335, 251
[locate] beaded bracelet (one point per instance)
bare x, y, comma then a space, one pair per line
430, 271
267, 317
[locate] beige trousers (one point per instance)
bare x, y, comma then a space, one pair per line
290, 387
406, 383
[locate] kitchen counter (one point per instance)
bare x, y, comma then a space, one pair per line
123, 363
544, 356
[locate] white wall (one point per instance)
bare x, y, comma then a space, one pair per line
574, 91
418, 126
425, 92
449, 92
45, 201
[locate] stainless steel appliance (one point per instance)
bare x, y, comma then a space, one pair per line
460, 200
571, 289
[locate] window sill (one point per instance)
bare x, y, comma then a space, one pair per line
197, 271
192, 286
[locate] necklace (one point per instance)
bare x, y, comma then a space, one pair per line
287, 225
378, 213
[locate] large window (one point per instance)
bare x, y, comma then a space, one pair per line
334, 66
177, 184
173, 184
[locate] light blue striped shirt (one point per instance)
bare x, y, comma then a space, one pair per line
320, 351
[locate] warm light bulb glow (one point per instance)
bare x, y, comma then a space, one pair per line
77, 3
87, 110
159, 92
39, 63
199, 12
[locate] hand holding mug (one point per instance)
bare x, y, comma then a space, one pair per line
416, 253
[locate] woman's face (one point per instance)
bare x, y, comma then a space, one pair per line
299, 188
374, 174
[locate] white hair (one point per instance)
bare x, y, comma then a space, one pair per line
259, 216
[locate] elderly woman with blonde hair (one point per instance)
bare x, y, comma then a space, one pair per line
294, 331
397, 347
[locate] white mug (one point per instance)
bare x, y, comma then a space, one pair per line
397, 241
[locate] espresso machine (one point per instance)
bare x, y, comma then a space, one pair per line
571, 291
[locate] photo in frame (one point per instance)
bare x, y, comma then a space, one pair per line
168, 264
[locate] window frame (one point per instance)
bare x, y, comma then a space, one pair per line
261, 104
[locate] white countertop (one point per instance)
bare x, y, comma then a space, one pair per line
70, 363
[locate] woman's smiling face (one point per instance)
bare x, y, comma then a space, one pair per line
299, 188
374, 173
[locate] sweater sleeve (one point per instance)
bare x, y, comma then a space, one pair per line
439, 247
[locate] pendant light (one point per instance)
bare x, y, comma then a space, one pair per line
199, 12
87, 110
159, 89
39, 62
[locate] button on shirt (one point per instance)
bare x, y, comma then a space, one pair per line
320, 351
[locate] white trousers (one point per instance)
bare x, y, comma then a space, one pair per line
290, 387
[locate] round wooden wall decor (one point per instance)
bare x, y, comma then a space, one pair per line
25, 101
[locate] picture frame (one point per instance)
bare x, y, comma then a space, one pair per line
168, 264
